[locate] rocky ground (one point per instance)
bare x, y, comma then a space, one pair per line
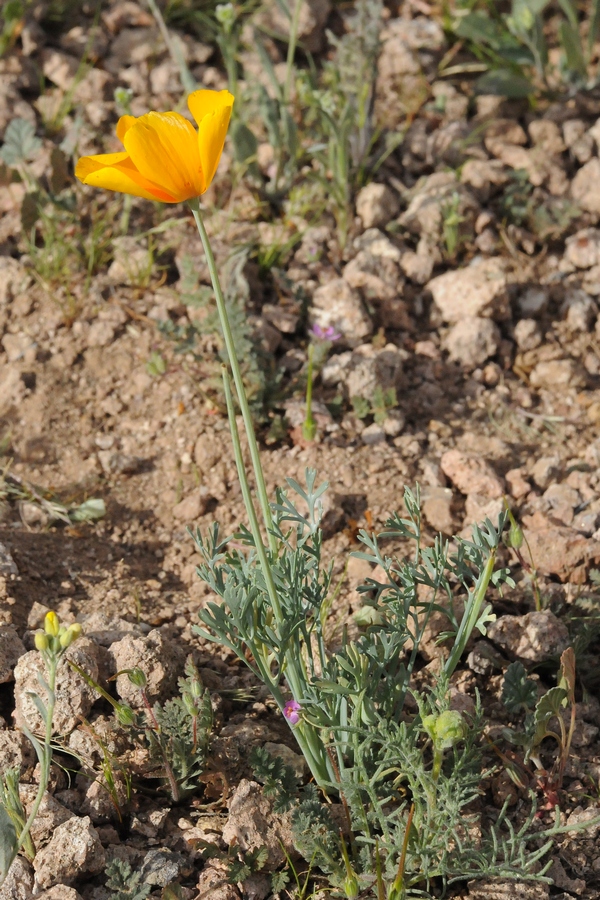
487, 330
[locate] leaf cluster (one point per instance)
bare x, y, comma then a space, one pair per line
124, 882
279, 779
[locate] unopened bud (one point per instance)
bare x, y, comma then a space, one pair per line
137, 678
69, 635
125, 715
351, 889
449, 728
41, 641
51, 624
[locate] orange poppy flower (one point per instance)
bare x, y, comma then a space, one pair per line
165, 157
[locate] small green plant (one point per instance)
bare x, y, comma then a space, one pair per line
378, 406
519, 694
278, 778
11, 17
16, 489
175, 733
124, 883
451, 222
513, 44
15, 830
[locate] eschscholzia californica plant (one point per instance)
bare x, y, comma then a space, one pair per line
165, 158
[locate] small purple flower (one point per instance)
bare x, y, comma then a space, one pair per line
291, 711
325, 334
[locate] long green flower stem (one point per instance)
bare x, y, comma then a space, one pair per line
237, 376
470, 617
307, 737
43, 751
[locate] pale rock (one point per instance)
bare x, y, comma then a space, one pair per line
482, 174
101, 334
51, 814
160, 660
553, 374
562, 500
11, 650
19, 346
589, 814
471, 474
472, 341
335, 304
373, 434
418, 33
252, 823
585, 187
193, 506
579, 310
533, 302
559, 550
378, 278
437, 505
74, 697
16, 751
484, 659
376, 204
582, 249
60, 892
584, 522
59, 68
74, 851
500, 132
480, 290
284, 320
517, 484
573, 130
527, 334
377, 244
394, 423
546, 470
18, 884
419, 265
478, 508
398, 76
213, 882
534, 637
364, 370
546, 134
206, 451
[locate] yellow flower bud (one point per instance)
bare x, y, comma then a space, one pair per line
69, 635
41, 641
51, 624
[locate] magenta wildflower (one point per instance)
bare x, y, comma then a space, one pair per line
291, 711
325, 334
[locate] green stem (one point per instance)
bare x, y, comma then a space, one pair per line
304, 734
45, 758
187, 79
249, 504
309, 428
470, 617
237, 376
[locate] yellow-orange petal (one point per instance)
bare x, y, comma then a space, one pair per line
164, 149
123, 126
211, 138
203, 103
116, 172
